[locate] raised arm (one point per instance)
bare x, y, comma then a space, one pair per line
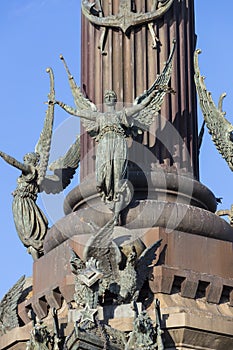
130, 111
12, 161
86, 114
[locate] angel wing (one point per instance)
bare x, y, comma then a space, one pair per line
64, 169
159, 88
44, 143
8, 307
81, 102
143, 266
219, 127
101, 247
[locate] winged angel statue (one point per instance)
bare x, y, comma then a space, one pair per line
111, 128
31, 223
219, 127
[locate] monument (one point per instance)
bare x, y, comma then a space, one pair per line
140, 260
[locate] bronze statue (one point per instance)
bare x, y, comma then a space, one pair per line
31, 223
219, 127
112, 148
110, 129
143, 335
40, 338
103, 258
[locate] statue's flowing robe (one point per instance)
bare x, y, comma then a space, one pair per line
111, 153
30, 222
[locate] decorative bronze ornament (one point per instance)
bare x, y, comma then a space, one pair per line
126, 18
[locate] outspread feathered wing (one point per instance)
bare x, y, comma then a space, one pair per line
81, 102
8, 307
44, 144
102, 247
159, 89
219, 127
144, 263
64, 169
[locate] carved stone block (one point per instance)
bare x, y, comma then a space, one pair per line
214, 292
189, 288
40, 307
54, 299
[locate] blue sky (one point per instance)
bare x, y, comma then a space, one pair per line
33, 33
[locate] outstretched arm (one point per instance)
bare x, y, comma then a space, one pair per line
12, 161
86, 114
137, 108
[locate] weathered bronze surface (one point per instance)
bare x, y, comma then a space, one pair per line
146, 334
8, 307
219, 127
40, 338
31, 223
99, 279
110, 129
101, 273
126, 18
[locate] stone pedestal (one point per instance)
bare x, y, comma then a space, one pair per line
16, 339
195, 324
192, 278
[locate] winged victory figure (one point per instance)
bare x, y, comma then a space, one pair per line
8, 307
219, 127
31, 223
110, 129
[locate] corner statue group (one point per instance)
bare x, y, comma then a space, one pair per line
110, 129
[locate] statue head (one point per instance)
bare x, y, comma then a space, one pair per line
110, 98
31, 158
